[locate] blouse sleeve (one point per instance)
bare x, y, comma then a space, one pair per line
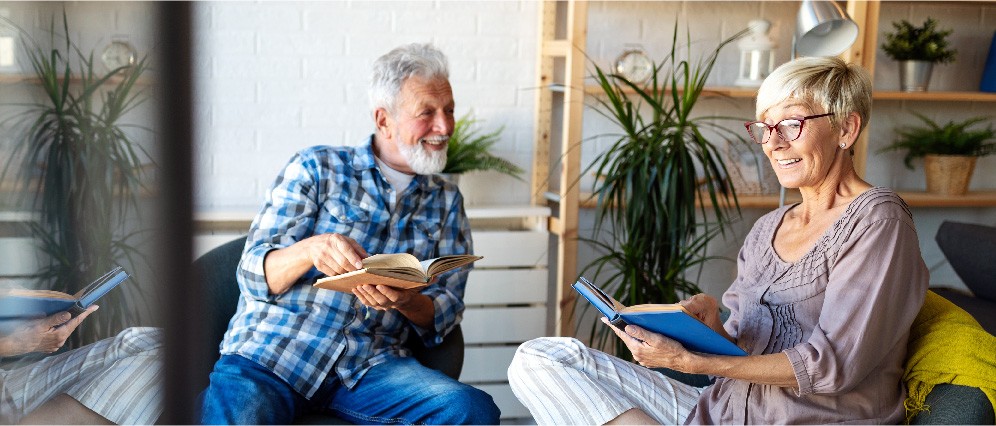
876, 287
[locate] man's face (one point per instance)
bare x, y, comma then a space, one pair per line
414, 137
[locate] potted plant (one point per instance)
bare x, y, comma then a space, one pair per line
649, 228
470, 150
917, 49
949, 151
85, 171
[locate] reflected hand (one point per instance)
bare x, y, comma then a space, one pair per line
45, 335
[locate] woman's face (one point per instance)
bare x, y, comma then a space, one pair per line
806, 161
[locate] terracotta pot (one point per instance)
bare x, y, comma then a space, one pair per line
948, 174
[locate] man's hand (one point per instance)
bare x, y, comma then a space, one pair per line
334, 254
653, 350
415, 306
383, 297
42, 335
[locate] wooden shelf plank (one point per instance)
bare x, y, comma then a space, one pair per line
985, 198
935, 96
730, 92
750, 93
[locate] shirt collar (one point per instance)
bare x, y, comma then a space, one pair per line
364, 160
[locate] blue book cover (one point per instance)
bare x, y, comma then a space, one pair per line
671, 320
27, 304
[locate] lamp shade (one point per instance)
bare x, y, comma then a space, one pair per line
823, 29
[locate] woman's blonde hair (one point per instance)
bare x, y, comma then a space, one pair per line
827, 82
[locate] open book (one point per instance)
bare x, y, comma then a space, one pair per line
20, 303
400, 270
671, 320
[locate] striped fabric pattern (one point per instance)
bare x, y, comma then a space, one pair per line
563, 382
119, 378
302, 334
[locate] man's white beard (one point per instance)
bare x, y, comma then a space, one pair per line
423, 161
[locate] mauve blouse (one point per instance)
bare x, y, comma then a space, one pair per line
841, 313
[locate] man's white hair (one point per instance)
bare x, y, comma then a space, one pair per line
390, 71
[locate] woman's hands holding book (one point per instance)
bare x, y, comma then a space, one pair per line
654, 350
42, 335
706, 309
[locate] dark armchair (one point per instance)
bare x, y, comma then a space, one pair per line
217, 271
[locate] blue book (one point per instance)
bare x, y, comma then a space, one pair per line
19, 304
671, 320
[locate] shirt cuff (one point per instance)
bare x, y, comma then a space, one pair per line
801, 374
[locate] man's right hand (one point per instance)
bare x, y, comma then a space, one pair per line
332, 254
335, 254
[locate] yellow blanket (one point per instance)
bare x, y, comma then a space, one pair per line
947, 345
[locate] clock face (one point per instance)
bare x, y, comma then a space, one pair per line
119, 54
635, 66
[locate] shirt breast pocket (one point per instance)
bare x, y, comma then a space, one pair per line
429, 231
345, 219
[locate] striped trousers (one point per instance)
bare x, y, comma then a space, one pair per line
119, 378
562, 381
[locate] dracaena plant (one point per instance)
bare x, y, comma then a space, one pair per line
649, 229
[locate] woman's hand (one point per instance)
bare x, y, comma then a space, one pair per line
654, 350
705, 308
42, 335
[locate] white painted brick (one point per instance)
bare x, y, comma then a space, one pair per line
336, 19
229, 42
339, 68
256, 67
506, 70
310, 92
336, 116
299, 43
268, 114
477, 47
270, 17
421, 20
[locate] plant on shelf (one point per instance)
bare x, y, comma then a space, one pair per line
648, 229
949, 151
470, 150
917, 49
85, 171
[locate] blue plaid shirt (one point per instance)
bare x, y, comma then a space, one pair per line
307, 333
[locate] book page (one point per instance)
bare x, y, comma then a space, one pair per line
394, 261
653, 307
44, 294
445, 263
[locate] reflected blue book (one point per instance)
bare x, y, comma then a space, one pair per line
20, 304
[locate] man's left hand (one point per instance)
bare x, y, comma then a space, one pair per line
382, 297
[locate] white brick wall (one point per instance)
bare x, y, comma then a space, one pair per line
278, 77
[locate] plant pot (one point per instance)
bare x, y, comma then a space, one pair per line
948, 174
914, 76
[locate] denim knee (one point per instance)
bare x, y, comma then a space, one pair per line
468, 406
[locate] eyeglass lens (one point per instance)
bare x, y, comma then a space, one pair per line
788, 129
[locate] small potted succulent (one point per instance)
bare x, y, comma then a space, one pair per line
917, 49
949, 151
470, 150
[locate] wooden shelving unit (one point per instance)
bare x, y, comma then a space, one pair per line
561, 56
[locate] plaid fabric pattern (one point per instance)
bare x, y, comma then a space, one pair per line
306, 333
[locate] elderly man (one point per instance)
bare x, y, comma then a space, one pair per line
291, 348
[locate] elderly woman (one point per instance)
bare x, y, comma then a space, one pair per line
824, 298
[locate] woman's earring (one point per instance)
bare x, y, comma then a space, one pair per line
842, 145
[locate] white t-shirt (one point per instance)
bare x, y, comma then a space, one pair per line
399, 180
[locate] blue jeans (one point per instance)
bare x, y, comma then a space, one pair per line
399, 391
